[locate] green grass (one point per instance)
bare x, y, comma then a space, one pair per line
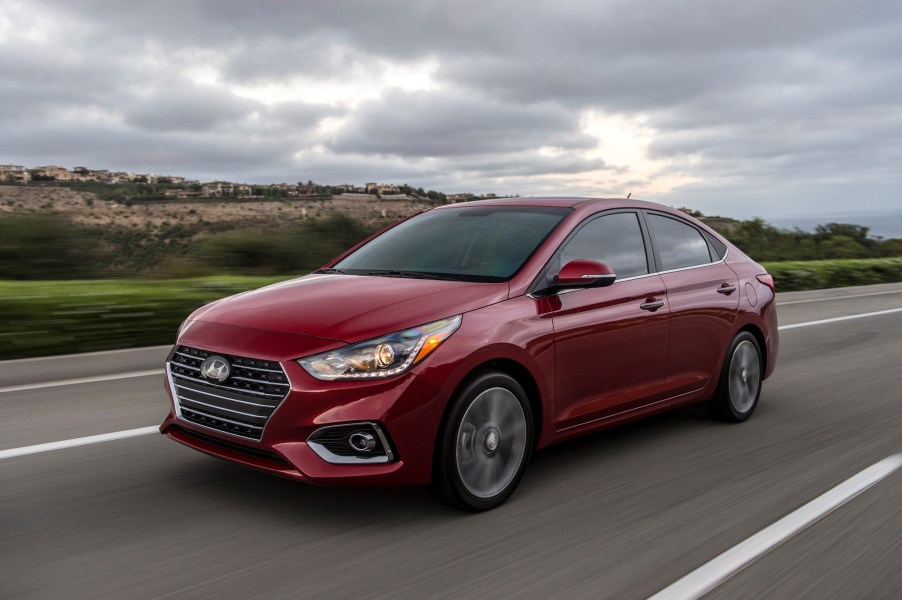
42, 318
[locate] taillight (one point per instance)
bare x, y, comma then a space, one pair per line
768, 280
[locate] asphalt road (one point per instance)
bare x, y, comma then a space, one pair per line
619, 514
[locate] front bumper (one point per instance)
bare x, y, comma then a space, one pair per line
408, 408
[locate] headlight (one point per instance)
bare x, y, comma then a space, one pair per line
382, 357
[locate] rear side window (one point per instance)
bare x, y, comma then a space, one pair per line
613, 239
679, 244
717, 247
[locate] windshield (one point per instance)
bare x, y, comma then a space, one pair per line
478, 243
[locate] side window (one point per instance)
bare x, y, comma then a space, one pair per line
718, 247
613, 239
680, 244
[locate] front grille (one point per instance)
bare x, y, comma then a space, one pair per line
241, 405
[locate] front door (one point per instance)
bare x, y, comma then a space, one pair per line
611, 343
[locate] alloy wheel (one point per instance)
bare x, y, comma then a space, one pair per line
491, 442
744, 377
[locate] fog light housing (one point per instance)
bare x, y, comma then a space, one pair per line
352, 443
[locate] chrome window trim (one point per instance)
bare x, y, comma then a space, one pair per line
707, 264
634, 277
335, 459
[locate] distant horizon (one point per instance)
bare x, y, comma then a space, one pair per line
886, 224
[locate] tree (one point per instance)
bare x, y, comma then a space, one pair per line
855, 232
843, 246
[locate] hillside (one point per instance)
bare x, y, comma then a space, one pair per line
87, 209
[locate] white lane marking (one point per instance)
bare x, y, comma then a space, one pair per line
837, 298
836, 319
47, 384
713, 573
82, 441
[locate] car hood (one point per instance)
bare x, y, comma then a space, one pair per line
350, 308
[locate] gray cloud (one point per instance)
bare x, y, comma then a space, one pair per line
268, 59
187, 109
757, 102
428, 124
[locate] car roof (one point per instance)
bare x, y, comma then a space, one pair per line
565, 202
585, 206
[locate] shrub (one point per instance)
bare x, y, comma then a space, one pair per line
818, 274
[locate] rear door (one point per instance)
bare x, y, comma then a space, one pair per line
703, 299
610, 343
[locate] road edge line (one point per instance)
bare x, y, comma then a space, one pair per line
836, 319
716, 571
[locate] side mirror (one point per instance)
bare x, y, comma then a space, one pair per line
585, 274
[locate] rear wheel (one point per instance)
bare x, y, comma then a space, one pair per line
484, 444
740, 381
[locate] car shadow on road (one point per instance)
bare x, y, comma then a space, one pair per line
574, 460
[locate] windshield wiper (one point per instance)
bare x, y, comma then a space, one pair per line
329, 271
411, 275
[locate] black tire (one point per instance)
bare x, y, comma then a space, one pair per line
741, 378
488, 430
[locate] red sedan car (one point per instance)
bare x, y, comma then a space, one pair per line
446, 348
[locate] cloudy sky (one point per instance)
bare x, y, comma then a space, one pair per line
769, 108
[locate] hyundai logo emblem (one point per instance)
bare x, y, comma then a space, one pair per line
215, 367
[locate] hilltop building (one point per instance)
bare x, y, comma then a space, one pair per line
382, 188
224, 189
14, 174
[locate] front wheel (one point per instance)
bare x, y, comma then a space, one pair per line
740, 381
484, 444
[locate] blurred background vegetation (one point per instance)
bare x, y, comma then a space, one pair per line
49, 247
68, 286
764, 242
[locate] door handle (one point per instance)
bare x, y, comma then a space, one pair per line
726, 289
655, 305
